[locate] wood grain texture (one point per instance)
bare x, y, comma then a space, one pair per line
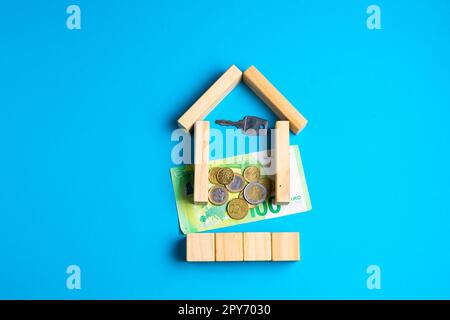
211, 98
201, 159
274, 99
285, 246
229, 246
282, 163
200, 247
257, 246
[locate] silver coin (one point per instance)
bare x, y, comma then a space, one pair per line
218, 195
255, 193
237, 184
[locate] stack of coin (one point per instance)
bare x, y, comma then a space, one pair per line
226, 177
213, 175
252, 188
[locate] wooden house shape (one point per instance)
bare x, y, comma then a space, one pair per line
289, 117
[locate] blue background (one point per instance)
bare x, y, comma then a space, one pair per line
86, 118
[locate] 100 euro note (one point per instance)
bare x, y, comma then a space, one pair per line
201, 217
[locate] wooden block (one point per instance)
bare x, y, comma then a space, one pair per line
229, 246
200, 247
282, 163
274, 99
201, 159
257, 246
285, 246
211, 98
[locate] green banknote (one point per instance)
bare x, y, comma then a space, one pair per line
201, 217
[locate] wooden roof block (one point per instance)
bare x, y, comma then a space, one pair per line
211, 98
274, 99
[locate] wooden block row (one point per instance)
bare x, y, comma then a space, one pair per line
247, 246
201, 159
274, 99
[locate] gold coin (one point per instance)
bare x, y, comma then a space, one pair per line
218, 195
213, 175
237, 209
225, 176
237, 184
267, 183
251, 174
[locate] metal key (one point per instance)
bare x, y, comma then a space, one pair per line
250, 125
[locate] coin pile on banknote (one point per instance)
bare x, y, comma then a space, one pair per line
253, 189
